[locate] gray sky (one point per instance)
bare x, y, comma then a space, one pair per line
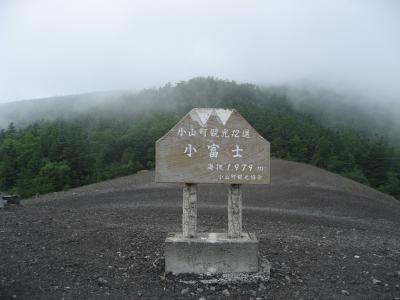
54, 47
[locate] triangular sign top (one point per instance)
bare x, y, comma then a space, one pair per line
212, 145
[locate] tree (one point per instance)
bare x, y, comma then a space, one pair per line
392, 185
54, 176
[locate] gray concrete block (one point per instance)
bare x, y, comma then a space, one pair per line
211, 253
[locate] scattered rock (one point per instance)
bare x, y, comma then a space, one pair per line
226, 293
185, 291
101, 281
140, 236
261, 287
344, 292
356, 256
262, 275
376, 281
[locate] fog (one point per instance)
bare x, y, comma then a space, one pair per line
50, 47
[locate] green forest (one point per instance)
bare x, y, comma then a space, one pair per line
111, 141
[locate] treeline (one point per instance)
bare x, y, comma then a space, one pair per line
54, 155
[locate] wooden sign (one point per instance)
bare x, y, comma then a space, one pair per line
213, 146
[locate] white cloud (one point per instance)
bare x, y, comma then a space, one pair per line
50, 47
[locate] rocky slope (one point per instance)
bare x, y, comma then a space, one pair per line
326, 237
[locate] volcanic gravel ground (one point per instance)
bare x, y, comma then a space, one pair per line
326, 237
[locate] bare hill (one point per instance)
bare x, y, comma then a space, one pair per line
326, 237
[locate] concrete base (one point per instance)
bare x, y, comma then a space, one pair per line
211, 253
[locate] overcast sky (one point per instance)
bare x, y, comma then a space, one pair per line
51, 47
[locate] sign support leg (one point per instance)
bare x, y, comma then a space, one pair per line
235, 211
189, 214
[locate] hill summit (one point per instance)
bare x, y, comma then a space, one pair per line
117, 137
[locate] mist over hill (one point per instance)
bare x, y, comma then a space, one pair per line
337, 110
22, 113
89, 138
345, 110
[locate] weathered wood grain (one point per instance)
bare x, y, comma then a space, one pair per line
235, 211
189, 210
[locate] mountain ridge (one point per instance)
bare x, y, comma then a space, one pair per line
334, 109
119, 139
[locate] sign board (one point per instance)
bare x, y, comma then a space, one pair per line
213, 146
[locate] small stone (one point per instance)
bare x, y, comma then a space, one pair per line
185, 291
253, 293
226, 293
344, 292
398, 273
376, 281
200, 290
101, 281
202, 298
356, 256
261, 287
212, 288
139, 294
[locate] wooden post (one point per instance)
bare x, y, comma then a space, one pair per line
189, 214
235, 211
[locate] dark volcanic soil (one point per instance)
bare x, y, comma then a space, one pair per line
326, 237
